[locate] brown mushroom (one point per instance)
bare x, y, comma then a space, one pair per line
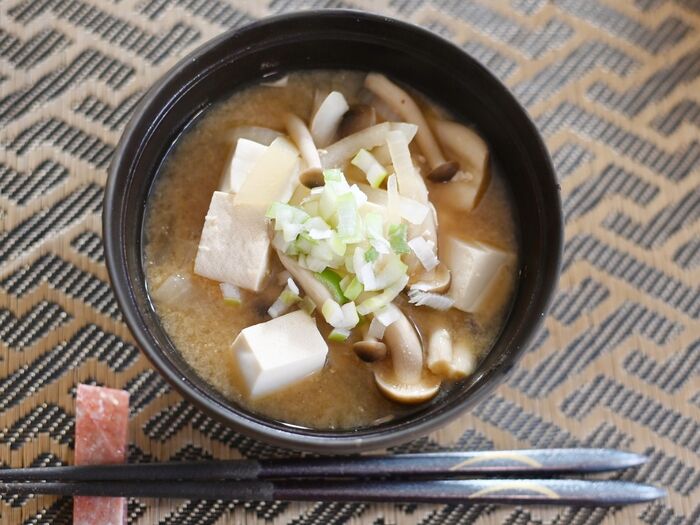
439, 359
370, 350
401, 102
313, 288
444, 172
466, 188
304, 141
311, 178
437, 280
407, 393
463, 360
357, 118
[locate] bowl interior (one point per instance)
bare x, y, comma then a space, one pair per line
334, 40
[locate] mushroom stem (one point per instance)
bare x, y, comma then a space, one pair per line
463, 360
302, 138
405, 349
440, 352
401, 102
312, 287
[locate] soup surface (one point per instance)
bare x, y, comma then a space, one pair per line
343, 394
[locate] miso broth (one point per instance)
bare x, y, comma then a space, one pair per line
343, 393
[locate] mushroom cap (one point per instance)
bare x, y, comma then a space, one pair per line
370, 350
437, 280
444, 172
409, 394
311, 178
357, 118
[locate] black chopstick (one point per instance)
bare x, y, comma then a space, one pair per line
441, 464
495, 491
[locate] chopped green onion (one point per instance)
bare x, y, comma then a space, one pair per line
333, 313
344, 282
350, 317
352, 289
398, 234
338, 335
371, 254
331, 280
285, 214
347, 215
374, 171
307, 305
333, 175
231, 293
374, 303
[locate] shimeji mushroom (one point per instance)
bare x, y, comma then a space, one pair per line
401, 102
405, 381
370, 350
302, 138
465, 188
449, 358
313, 288
357, 118
346, 148
437, 280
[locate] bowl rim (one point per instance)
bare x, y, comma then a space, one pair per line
115, 259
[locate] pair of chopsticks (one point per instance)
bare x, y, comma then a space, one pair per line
504, 477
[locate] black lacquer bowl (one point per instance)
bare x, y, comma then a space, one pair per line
335, 40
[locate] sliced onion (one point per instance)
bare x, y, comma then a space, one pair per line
410, 182
425, 252
430, 299
340, 152
327, 118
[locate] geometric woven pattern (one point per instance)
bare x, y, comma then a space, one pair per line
614, 86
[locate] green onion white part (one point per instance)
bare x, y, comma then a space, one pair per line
374, 171
231, 293
286, 299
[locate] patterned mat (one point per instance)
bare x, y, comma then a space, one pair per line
613, 85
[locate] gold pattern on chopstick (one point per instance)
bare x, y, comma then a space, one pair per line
490, 456
519, 485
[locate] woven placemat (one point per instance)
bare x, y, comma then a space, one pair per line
614, 87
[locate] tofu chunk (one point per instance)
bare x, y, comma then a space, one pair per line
235, 246
240, 164
480, 274
280, 352
273, 178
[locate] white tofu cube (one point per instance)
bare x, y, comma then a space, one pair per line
235, 246
240, 164
280, 352
478, 273
274, 176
